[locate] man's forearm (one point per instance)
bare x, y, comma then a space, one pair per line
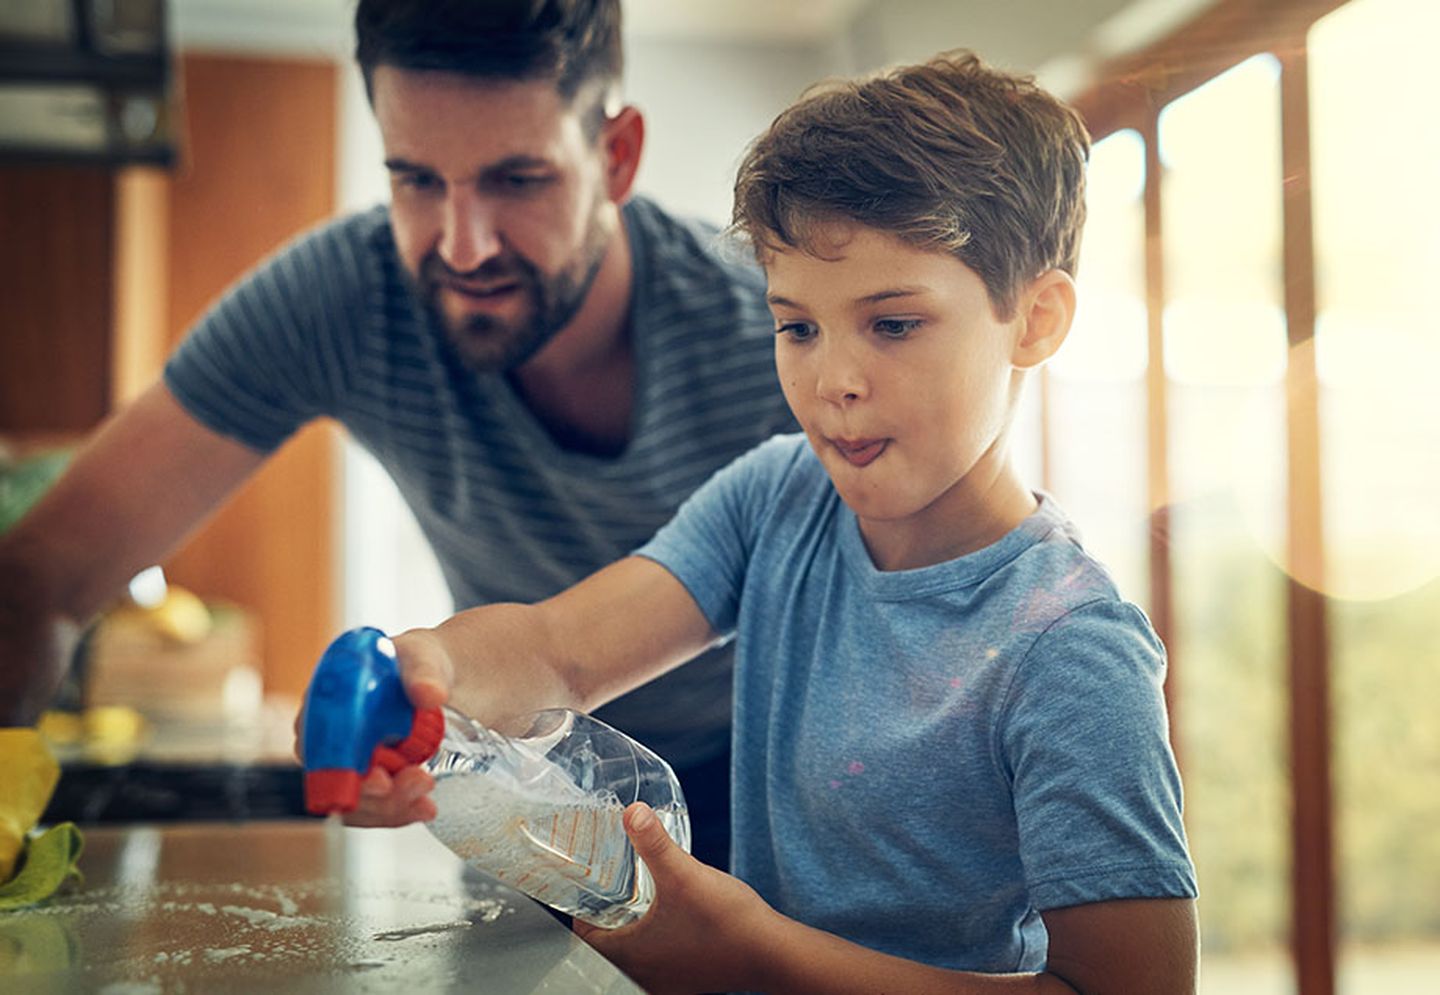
36, 640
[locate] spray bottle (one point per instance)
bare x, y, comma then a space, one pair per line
540, 811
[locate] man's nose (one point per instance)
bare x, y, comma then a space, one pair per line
471, 235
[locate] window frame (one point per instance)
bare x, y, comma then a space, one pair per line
1131, 92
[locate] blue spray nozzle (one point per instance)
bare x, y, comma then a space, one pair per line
355, 710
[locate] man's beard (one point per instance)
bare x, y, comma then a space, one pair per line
487, 344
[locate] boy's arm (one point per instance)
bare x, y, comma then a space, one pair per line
148, 477
708, 931
613, 631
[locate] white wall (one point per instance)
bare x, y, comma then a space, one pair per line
704, 102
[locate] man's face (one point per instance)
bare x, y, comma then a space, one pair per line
897, 369
498, 203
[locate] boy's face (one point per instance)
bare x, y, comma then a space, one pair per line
498, 204
900, 374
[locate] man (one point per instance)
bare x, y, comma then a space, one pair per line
546, 365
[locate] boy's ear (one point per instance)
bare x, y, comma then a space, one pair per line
1046, 309
623, 138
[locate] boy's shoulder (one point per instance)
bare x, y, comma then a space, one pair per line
1055, 576
783, 461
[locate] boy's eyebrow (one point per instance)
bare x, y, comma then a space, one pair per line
888, 294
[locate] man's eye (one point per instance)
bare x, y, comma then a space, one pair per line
797, 331
896, 328
418, 181
525, 181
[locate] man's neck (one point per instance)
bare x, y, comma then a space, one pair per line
581, 385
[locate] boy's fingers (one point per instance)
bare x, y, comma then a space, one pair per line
650, 839
425, 670
377, 783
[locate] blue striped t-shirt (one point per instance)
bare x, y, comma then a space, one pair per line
328, 326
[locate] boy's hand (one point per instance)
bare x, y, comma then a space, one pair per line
394, 799
403, 797
704, 930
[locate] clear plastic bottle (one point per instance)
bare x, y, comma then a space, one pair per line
542, 811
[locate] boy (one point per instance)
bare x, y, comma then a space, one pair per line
951, 761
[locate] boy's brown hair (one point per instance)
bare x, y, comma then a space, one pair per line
950, 155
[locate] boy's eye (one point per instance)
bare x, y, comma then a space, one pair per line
798, 331
896, 328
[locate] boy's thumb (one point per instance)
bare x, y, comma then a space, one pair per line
425, 670
649, 837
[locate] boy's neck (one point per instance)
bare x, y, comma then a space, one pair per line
978, 511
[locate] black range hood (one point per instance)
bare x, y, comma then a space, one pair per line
86, 81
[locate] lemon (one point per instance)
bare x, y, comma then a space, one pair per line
28, 774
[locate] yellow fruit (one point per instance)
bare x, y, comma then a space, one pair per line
28, 774
61, 728
182, 616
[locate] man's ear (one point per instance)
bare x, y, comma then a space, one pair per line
1046, 309
623, 137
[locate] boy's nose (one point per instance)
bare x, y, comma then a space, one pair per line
470, 236
841, 377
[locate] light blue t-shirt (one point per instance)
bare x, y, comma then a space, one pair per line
926, 759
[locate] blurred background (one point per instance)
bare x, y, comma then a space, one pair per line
1240, 421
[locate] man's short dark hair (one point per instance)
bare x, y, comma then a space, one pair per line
572, 42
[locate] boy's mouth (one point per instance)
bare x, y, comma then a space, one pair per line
860, 452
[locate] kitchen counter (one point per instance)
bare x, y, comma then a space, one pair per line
292, 906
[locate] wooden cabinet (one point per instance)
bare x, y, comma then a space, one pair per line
102, 273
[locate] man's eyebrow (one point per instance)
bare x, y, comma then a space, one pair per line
399, 164
517, 162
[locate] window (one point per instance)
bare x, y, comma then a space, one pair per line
1255, 345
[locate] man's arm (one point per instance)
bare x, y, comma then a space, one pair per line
708, 931
148, 477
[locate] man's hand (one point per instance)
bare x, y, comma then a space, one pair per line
37, 644
144, 481
703, 930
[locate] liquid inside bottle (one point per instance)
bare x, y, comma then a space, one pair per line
542, 812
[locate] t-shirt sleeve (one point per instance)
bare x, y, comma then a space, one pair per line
274, 351
1085, 738
707, 545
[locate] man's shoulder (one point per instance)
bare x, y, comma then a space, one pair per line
365, 230
338, 250
690, 253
